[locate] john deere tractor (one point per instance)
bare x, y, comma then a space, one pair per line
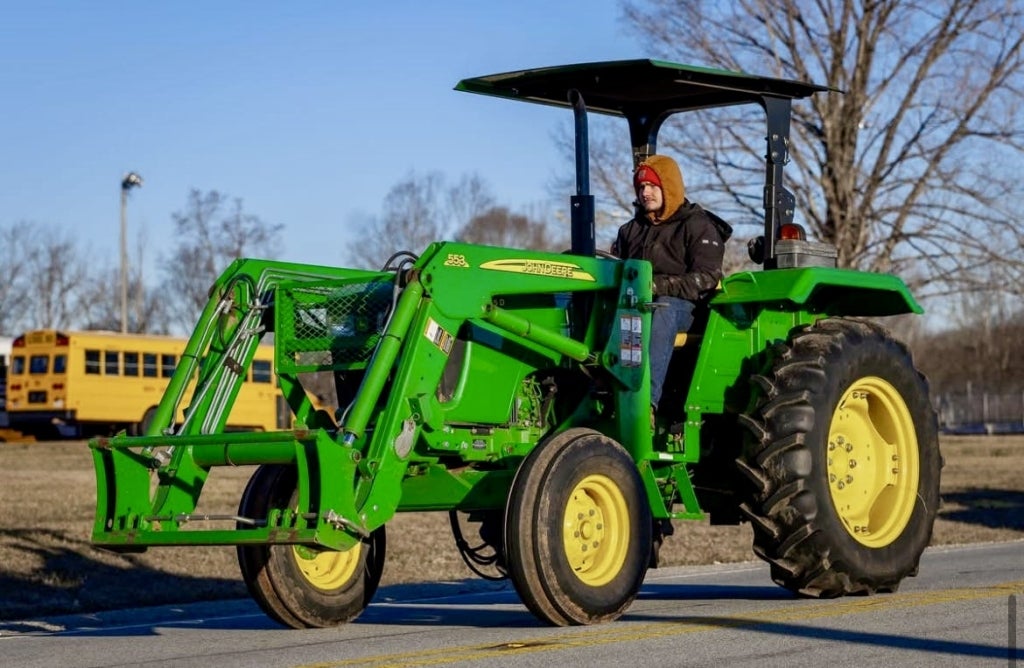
510, 388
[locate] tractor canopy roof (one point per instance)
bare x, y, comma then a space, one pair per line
646, 92
632, 88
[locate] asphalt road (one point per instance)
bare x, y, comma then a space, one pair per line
965, 608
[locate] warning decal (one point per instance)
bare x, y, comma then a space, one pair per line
631, 340
438, 336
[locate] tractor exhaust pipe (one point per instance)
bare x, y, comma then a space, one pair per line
582, 215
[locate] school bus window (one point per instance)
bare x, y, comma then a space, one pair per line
92, 362
142, 367
166, 366
261, 371
131, 364
111, 363
38, 364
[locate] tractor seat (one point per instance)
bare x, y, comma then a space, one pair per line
683, 337
700, 322
696, 331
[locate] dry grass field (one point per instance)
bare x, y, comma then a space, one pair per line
47, 565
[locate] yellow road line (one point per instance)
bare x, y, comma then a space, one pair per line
615, 633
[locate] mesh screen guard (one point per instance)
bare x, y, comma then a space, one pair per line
330, 326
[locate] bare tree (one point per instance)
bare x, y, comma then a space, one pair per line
54, 270
914, 169
16, 289
100, 300
213, 231
417, 211
498, 226
100, 303
984, 353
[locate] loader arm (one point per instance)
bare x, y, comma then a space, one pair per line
518, 311
175, 459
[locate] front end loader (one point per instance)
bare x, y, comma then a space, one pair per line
512, 386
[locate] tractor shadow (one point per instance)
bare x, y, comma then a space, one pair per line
990, 508
55, 572
850, 640
464, 602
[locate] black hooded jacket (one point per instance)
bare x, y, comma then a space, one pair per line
685, 250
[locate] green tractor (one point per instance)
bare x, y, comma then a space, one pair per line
511, 387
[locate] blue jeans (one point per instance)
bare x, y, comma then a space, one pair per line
675, 316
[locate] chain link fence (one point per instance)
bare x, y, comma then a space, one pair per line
973, 412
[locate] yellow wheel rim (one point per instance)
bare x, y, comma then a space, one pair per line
596, 530
873, 462
327, 569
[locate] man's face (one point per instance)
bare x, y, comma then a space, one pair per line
651, 198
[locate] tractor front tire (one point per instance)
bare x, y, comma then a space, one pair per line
845, 461
577, 529
302, 586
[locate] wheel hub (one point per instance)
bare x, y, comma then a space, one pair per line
872, 462
595, 530
327, 569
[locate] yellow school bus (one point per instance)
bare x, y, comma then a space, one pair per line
5, 360
74, 384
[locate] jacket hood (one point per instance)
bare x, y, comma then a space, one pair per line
673, 190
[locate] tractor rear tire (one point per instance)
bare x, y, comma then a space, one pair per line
302, 586
577, 529
845, 461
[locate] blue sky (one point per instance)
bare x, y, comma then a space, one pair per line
308, 111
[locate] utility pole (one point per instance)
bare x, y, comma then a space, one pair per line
130, 180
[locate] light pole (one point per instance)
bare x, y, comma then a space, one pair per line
130, 180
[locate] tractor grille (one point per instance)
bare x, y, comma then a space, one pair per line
321, 327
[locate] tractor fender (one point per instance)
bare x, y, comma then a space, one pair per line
752, 311
822, 290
